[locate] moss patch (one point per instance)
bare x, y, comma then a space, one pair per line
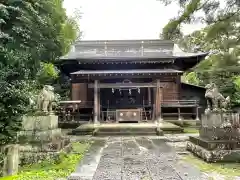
191, 130
52, 170
229, 170
183, 123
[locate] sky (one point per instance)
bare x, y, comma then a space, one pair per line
124, 19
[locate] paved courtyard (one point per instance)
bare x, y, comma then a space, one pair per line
134, 158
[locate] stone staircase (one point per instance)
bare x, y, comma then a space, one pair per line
128, 129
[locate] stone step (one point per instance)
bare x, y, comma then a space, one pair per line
127, 129
127, 133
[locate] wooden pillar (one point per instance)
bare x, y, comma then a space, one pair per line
154, 107
149, 96
99, 105
179, 114
96, 103
153, 112
197, 114
158, 101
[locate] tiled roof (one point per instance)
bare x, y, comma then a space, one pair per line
121, 49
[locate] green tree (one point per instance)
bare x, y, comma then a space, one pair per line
192, 78
220, 37
31, 38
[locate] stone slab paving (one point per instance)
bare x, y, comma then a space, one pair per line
88, 165
134, 158
111, 161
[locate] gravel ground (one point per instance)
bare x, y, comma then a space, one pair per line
138, 158
134, 158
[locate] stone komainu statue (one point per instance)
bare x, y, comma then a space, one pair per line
215, 100
45, 99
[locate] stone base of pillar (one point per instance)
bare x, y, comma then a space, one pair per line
96, 122
158, 120
180, 119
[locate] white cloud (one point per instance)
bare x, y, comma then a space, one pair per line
123, 19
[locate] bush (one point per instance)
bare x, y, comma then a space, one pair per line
14, 103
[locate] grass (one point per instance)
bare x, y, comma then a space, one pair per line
191, 130
229, 170
47, 170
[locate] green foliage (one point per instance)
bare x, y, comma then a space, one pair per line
70, 31
14, 101
219, 19
33, 34
172, 29
220, 37
62, 86
47, 73
48, 170
192, 78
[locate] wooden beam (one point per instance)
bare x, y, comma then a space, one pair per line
122, 85
117, 76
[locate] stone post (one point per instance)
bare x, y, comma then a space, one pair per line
11, 161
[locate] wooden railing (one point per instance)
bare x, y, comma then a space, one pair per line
75, 104
69, 111
73, 111
180, 103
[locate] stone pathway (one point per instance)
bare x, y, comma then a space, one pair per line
133, 158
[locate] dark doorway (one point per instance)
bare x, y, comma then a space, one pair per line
122, 98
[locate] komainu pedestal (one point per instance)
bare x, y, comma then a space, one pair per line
219, 138
39, 129
40, 138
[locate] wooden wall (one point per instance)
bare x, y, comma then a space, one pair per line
79, 92
170, 90
189, 92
